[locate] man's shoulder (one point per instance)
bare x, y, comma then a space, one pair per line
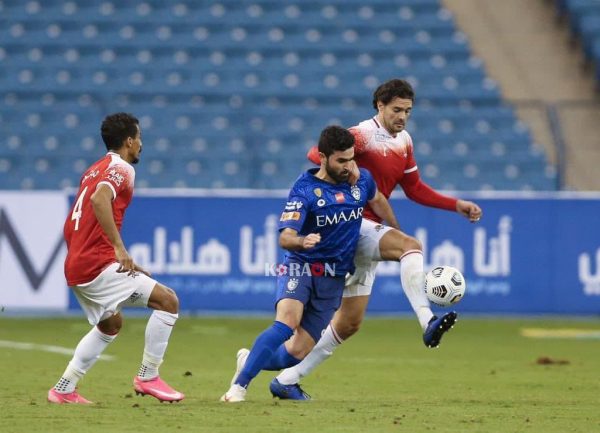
301, 184
364, 172
365, 177
404, 137
121, 165
365, 126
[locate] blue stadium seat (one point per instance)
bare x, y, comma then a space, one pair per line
232, 93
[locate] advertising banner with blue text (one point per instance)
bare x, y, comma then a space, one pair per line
528, 254
219, 250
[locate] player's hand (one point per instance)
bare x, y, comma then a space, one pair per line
125, 261
469, 210
311, 240
138, 268
354, 173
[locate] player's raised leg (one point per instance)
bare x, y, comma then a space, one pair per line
412, 276
158, 330
86, 354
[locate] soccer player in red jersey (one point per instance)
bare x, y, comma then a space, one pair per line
102, 274
385, 148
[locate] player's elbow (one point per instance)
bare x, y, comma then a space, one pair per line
289, 242
284, 241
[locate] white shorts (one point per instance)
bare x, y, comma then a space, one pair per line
366, 259
110, 291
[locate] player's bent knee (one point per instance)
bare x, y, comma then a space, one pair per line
395, 244
164, 299
172, 302
112, 325
412, 244
348, 329
290, 320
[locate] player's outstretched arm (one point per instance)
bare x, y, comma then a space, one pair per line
102, 204
289, 240
381, 207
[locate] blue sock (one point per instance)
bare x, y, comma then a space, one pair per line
262, 351
281, 359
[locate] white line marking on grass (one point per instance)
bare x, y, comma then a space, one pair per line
561, 333
45, 348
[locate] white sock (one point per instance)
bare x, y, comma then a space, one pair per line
158, 332
412, 278
86, 354
323, 350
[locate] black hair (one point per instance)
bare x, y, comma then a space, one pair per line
391, 89
116, 128
335, 138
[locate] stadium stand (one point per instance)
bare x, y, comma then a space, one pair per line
584, 21
231, 94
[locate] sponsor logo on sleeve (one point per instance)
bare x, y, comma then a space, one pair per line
293, 205
290, 216
116, 177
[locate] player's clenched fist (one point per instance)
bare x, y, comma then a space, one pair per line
469, 210
311, 240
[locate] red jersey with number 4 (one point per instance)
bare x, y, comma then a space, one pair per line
391, 161
88, 249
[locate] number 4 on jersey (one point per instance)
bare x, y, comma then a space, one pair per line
76, 215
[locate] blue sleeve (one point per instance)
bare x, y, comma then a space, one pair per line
295, 211
370, 184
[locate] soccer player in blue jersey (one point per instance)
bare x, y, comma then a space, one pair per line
319, 228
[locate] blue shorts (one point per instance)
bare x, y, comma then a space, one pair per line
321, 297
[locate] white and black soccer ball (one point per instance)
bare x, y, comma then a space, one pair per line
444, 285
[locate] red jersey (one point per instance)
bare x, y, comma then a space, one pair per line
391, 161
88, 249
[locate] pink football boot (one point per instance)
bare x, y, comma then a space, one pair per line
70, 398
156, 388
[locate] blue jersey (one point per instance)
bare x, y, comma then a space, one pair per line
332, 210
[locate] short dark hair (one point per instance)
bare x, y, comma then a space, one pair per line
391, 89
335, 138
116, 128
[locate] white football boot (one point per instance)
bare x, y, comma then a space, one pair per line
235, 394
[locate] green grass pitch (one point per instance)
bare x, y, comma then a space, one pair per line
485, 377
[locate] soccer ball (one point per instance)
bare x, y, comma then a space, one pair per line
444, 286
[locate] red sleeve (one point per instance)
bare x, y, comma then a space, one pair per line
359, 147
417, 190
313, 155
360, 142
